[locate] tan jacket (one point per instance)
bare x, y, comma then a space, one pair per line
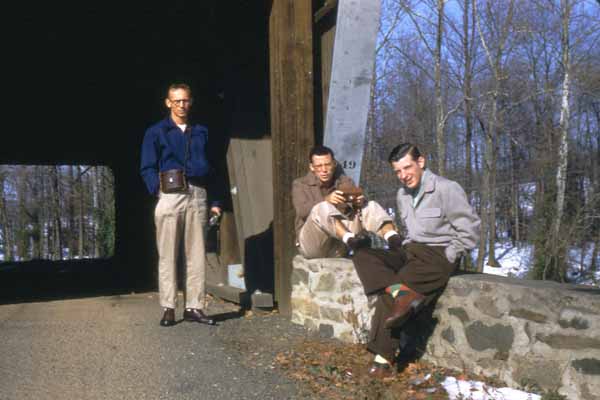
306, 193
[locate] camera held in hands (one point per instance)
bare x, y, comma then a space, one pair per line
353, 197
214, 219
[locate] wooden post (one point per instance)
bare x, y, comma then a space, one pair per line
292, 125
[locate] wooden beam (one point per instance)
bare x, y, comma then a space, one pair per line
292, 125
328, 7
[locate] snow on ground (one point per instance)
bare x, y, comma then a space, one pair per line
515, 262
472, 390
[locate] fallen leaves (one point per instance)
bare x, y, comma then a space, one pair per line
339, 371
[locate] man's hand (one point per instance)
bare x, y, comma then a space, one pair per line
336, 197
361, 200
215, 216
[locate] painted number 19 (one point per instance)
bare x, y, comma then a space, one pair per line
349, 164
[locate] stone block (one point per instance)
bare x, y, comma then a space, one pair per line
535, 370
569, 342
325, 331
460, 313
487, 305
528, 315
332, 314
299, 276
587, 366
326, 283
482, 337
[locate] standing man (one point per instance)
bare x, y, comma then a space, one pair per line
326, 225
441, 228
175, 168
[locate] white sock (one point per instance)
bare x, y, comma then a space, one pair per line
389, 234
347, 236
380, 360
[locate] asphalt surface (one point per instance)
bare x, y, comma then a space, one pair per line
113, 348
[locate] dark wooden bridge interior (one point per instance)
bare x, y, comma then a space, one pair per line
82, 81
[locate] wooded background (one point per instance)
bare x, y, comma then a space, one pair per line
504, 97
56, 212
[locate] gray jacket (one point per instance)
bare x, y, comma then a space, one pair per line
441, 217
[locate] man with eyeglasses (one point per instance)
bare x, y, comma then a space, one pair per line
175, 168
325, 225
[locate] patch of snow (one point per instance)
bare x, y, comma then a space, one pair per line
473, 390
514, 260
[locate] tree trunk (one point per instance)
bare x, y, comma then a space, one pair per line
81, 214
594, 263
35, 213
21, 225
563, 145
491, 157
485, 206
73, 250
514, 198
7, 244
58, 239
468, 93
439, 103
95, 210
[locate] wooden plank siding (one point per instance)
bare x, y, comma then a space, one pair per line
292, 124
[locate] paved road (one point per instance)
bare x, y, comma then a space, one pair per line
113, 348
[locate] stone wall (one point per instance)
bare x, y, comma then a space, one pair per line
327, 296
526, 333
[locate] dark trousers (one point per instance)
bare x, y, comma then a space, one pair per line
424, 269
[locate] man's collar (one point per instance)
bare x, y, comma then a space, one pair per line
428, 181
171, 124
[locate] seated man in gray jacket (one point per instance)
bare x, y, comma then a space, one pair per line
441, 227
326, 226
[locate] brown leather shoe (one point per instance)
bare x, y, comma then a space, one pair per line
197, 315
381, 371
168, 318
404, 306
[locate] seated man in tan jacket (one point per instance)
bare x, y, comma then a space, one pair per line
326, 226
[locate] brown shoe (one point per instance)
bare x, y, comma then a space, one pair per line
168, 318
197, 315
381, 371
404, 306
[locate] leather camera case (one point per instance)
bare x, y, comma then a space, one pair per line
173, 181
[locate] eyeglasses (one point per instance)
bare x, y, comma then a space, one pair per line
181, 102
324, 166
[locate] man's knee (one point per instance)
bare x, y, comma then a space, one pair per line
323, 209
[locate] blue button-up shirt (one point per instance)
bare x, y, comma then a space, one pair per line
164, 148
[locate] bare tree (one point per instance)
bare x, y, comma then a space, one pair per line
563, 143
5, 225
439, 101
499, 35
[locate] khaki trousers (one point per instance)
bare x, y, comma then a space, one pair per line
181, 217
317, 236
